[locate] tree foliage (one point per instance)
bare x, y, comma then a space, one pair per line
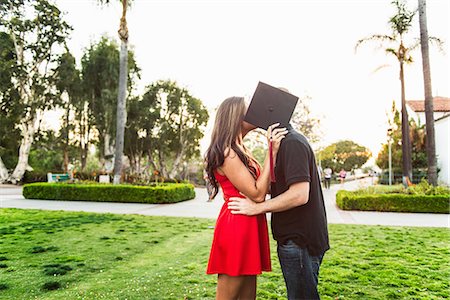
100, 66
417, 136
305, 122
169, 123
36, 29
9, 112
345, 155
395, 45
68, 84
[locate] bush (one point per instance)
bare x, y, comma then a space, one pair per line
393, 202
381, 189
162, 193
424, 188
33, 176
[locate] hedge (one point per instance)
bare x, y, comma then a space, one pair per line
163, 193
347, 200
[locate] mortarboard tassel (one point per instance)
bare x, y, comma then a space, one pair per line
272, 172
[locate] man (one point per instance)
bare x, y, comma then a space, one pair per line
327, 175
299, 223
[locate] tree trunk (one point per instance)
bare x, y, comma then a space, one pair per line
162, 165
121, 100
177, 163
85, 129
3, 171
406, 144
176, 167
27, 130
139, 163
429, 111
151, 160
83, 146
108, 153
66, 138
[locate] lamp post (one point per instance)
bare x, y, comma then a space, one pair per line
390, 155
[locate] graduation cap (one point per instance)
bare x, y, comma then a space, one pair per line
270, 105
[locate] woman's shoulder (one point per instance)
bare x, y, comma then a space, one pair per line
230, 155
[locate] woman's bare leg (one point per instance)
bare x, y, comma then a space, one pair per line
248, 290
228, 287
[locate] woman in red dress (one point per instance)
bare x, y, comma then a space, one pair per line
240, 248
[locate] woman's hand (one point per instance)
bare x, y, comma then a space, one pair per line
275, 135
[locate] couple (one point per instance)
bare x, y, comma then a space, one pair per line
240, 249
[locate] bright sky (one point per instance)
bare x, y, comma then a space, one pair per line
218, 49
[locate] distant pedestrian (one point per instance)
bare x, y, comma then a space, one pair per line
342, 175
327, 176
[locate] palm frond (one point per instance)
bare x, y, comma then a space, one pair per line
415, 45
107, 2
380, 38
392, 51
433, 41
438, 43
380, 67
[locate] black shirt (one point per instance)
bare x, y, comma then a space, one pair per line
307, 224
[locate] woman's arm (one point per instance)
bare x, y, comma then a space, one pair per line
240, 177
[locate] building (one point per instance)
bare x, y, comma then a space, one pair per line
441, 107
416, 108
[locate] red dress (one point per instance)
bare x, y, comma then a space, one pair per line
241, 243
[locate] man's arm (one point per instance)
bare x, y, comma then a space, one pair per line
296, 195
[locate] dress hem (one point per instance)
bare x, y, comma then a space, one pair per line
240, 274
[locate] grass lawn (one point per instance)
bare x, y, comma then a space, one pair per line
72, 255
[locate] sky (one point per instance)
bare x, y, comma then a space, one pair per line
217, 49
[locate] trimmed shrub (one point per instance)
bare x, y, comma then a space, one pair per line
162, 193
347, 200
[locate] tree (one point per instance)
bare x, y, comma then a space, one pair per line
143, 115
68, 83
100, 66
304, 121
36, 28
401, 24
417, 134
174, 138
345, 155
9, 111
121, 96
46, 154
429, 111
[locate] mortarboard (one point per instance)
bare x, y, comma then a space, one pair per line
270, 105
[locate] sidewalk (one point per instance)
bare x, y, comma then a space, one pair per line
11, 196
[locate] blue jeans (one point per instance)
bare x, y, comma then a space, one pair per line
300, 271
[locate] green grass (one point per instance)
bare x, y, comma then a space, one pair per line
72, 255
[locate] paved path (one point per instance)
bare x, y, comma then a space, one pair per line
11, 196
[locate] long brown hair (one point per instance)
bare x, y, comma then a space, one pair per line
226, 133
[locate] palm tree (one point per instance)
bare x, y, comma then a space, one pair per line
431, 145
400, 24
121, 98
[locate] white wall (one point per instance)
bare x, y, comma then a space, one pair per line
437, 115
442, 137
